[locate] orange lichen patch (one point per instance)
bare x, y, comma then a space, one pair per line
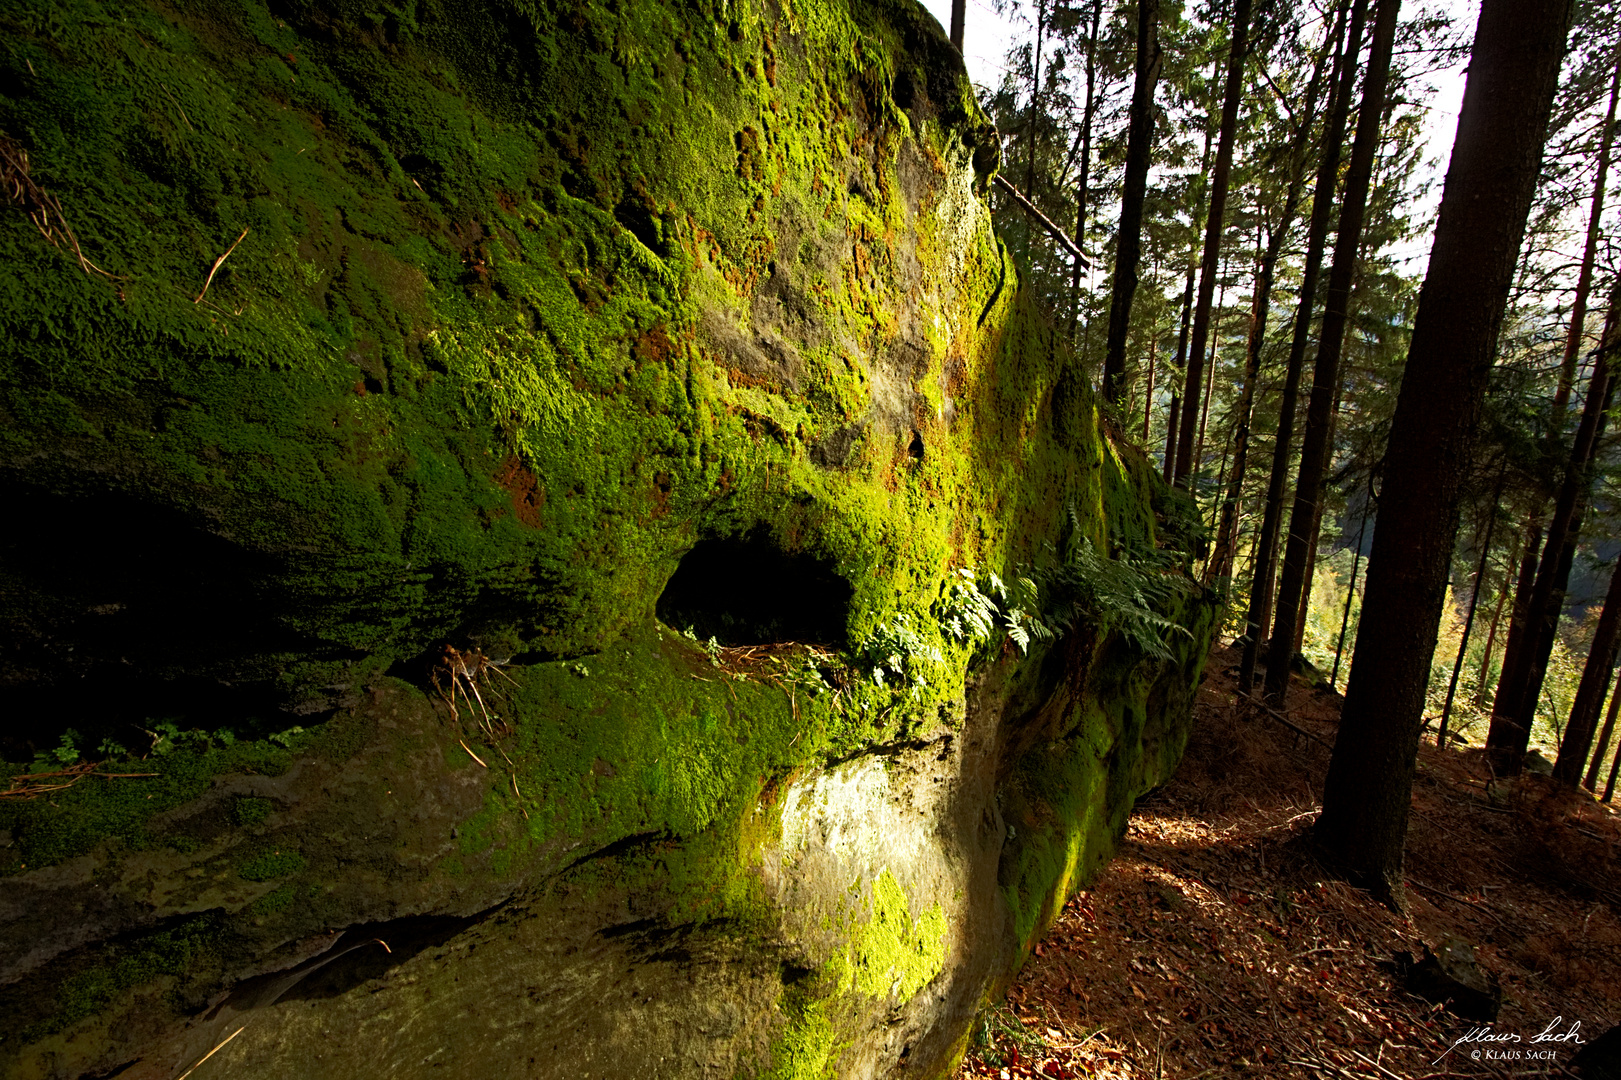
527, 497
654, 346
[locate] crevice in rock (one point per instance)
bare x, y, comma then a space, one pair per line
748, 591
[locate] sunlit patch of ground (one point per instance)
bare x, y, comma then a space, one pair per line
1215, 945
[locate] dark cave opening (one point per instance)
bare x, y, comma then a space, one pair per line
119, 620
748, 591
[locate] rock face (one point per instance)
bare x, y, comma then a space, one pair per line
593, 563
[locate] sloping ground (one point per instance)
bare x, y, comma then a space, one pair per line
1215, 945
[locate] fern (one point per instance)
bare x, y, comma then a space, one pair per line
972, 615
895, 653
968, 616
1127, 593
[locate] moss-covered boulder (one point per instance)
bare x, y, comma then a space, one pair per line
542, 539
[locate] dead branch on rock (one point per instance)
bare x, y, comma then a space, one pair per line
43, 208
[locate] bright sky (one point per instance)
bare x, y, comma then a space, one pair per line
987, 37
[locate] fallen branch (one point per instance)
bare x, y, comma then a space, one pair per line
27, 786
44, 210
1286, 722
215, 268
1052, 230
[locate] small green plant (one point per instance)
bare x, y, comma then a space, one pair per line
971, 615
286, 739
1021, 600
271, 864
895, 654
1126, 593
967, 616
67, 751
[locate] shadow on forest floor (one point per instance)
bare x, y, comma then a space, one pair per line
1215, 945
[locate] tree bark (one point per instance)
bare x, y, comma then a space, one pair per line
1514, 69
1584, 277
1129, 245
1314, 443
1221, 563
1322, 208
1474, 603
1591, 783
1521, 683
1514, 644
1578, 740
1170, 434
1148, 395
1174, 427
1082, 187
1215, 219
959, 12
1035, 100
1491, 630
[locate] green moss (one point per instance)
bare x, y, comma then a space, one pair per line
178, 952
96, 810
271, 864
895, 956
274, 902
252, 811
807, 1048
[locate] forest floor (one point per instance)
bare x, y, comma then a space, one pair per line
1216, 945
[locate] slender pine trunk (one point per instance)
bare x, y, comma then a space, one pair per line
1259, 614
1082, 187
1226, 532
1215, 220
1591, 783
1325, 387
1578, 740
1474, 603
1584, 277
1129, 245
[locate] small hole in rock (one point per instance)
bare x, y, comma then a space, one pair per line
747, 591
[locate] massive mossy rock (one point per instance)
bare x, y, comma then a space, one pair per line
336, 335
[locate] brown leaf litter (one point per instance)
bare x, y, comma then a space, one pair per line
1216, 945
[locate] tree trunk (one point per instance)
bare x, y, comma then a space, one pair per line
1303, 613
1035, 102
1584, 278
1322, 207
1578, 740
1514, 69
1215, 219
1082, 192
1129, 246
1521, 683
1174, 428
1591, 783
1491, 631
1148, 395
1204, 416
1221, 562
959, 11
1523, 587
1170, 434
1314, 443
1474, 602
1350, 592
